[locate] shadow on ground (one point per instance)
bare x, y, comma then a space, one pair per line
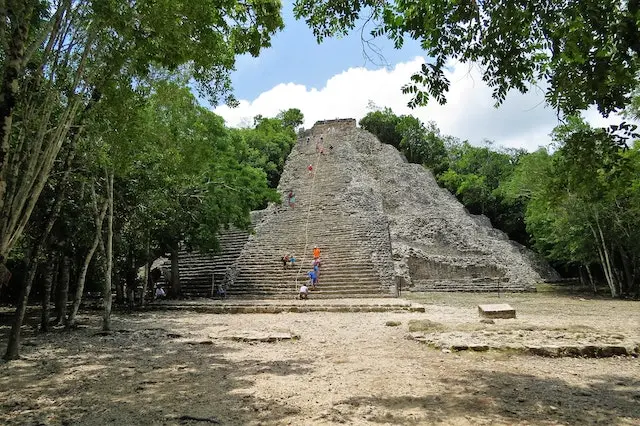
140, 376
508, 399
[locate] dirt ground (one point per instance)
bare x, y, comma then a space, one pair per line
171, 368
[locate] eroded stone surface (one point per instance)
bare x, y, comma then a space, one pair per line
499, 310
547, 343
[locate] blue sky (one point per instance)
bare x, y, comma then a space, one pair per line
296, 57
334, 80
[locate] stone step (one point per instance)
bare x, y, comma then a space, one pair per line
288, 304
329, 271
315, 293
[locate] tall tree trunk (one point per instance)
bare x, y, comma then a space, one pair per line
106, 292
62, 294
13, 346
613, 282
628, 272
13, 68
131, 278
593, 283
147, 268
46, 294
175, 272
71, 320
28, 167
604, 260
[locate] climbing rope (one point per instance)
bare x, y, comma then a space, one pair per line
306, 226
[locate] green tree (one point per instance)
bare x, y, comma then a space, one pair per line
423, 144
582, 201
163, 171
292, 118
383, 124
585, 51
267, 146
48, 82
60, 58
475, 175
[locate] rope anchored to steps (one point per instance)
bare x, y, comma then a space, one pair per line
306, 226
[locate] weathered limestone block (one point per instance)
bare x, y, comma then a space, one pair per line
501, 310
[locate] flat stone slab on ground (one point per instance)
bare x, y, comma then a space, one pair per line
263, 337
499, 310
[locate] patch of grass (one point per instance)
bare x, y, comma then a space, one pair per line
392, 323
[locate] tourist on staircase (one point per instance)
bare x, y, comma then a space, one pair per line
221, 292
292, 259
310, 169
304, 292
313, 279
316, 252
291, 199
285, 259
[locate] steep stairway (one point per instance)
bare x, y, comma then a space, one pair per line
348, 240
201, 272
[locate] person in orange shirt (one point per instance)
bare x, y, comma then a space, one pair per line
316, 252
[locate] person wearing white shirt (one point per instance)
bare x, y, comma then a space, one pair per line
304, 292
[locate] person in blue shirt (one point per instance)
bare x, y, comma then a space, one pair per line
313, 278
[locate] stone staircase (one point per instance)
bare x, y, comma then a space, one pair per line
200, 271
350, 242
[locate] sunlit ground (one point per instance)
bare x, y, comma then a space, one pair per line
189, 368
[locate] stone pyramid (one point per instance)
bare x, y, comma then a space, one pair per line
383, 226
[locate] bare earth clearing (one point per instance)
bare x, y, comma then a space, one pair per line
344, 368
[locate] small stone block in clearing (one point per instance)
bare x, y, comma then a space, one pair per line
501, 310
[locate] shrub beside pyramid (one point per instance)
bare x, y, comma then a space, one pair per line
382, 224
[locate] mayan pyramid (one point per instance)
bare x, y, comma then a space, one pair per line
383, 225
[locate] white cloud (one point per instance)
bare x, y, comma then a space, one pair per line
523, 121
